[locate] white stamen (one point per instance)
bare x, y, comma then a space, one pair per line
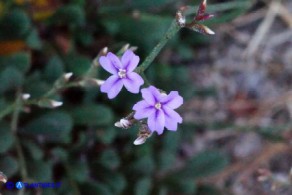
122, 73
158, 106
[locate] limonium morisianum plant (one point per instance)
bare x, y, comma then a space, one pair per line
156, 111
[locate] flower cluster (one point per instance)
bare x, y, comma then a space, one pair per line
156, 106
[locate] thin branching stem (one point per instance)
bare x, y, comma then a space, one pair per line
14, 123
172, 30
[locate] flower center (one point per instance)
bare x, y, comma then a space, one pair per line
122, 73
158, 106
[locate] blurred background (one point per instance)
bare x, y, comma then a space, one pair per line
236, 136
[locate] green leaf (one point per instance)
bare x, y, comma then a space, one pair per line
151, 26
77, 64
146, 4
55, 126
143, 186
39, 87
33, 40
40, 171
14, 25
164, 75
79, 170
54, 69
72, 15
183, 186
115, 181
208, 190
203, 164
92, 115
34, 150
48, 191
10, 78
144, 165
110, 159
166, 159
84, 37
8, 165
6, 138
94, 188
60, 153
78, 2
107, 135
20, 61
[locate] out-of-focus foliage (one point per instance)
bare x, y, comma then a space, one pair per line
77, 143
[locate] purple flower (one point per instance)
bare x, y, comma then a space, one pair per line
159, 109
122, 73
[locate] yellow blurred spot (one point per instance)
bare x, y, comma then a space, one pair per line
42, 15
41, 3
21, 2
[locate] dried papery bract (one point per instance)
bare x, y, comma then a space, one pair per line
143, 135
201, 15
180, 16
194, 24
126, 122
3, 177
200, 28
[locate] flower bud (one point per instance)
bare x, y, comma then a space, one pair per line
67, 76
48, 103
91, 82
143, 135
25, 96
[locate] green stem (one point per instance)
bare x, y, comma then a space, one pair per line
14, 123
147, 83
55, 88
7, 111
172, 30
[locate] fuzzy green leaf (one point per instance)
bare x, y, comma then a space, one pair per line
6, 138
9, 165
92, 115
55, 126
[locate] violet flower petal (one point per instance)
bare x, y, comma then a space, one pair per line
143, 110
133, 82
173, 100
156, 121
116, 88
107, 65
107, 85
130, 61
112, 86
171, 119
151, 95
114, 60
